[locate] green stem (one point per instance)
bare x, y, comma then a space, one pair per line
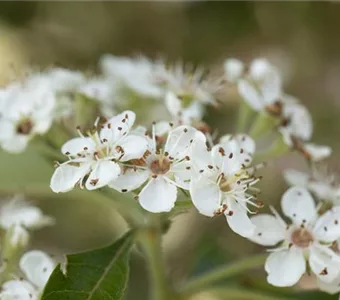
151, 242
229, 270
244, 115
262, 124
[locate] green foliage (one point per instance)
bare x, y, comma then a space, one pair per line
99, 274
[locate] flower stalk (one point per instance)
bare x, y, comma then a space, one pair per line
207, 280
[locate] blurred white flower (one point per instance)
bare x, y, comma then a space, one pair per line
138, 74
37, 267
222, 183
260, 86
98, 155
309, 237
19, 212
101, 89
27, 111
191, 85
233, 69
323, 185
18, 290
164, 167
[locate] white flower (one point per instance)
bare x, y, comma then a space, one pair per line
222, 183
309, 237
18, 290
297, 128
103, 90
20, 212
37, 267
164, 168
191, 85
260, 87
233, 69
322, 185
28, 111
138, 74
98, 155
181, 114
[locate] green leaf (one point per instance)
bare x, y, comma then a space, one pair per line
100, 274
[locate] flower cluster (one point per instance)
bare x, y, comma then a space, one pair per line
260, 85
17, 218
177, 154
308, 240
28, 108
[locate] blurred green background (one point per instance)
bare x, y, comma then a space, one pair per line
302, 38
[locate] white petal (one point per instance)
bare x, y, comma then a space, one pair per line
78, 145
104, 172
285, 268
118, 126
130, 180
18, 290
158, 195
228, 157
244, 141
327, 227
161, 128
37, 267
239, 221
297, 178
271, 88
300, 121
205, 195
317, 152
65, 177
199, 155
22, 213
323, 266
233, 69
179, 141
134, 147
182, 174
250, 95
330, 288
260, 68
298, 205
16, 144
173, 104
269, 230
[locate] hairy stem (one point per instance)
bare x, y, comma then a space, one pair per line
151, 242
207, 280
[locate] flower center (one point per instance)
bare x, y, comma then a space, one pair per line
160, 166
224, 185
302, 238
24, 127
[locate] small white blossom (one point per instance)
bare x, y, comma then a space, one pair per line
138, 74
260, 86
98, 155
18, 290
37, 267
101, 89
233, 69
222, 183
164, 167
324, 186
307, 238
19, 212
